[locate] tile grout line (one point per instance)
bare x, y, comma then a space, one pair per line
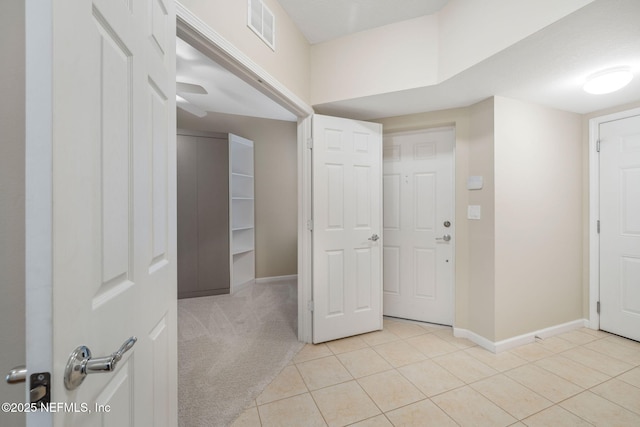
532, 362
394, 368
558, 404
359, 385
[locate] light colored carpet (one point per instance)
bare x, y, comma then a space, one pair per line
230, 347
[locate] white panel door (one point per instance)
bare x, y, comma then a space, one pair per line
113, 222
620, 227
419, 225
347, 224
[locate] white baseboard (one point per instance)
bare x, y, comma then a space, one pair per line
509, 343
475, 338
277, 278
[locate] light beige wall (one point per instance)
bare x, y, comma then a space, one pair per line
538, 217
276, 177
427, 50
474, 263
510, 278
288, 64
471, 31
482, 232
586, 196
385, 59
12, 121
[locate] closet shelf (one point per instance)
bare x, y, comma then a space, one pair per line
241, 174
251, 227
243, 251
242, 192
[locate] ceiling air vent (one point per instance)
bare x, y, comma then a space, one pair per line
262, 22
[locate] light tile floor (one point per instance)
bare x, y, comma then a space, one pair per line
413, 374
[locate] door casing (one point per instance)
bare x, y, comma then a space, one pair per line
200, 35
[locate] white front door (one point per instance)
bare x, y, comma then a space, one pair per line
620, 227
419, 229
110, 222
347, 227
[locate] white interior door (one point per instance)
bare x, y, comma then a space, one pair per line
347, 221
110, 224
419, 229
620, 227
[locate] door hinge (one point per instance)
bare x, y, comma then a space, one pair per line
598, 307
310, 225
598, 146
598, 226
310, 305
310, 143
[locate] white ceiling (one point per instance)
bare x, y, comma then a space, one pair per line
322, 20
547, 68
226, 92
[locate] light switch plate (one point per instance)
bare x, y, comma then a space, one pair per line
474, 182
473, 212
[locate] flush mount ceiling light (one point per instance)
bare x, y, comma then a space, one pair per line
607, 81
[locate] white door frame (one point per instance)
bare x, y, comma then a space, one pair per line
200, 35
594, 211
38, 191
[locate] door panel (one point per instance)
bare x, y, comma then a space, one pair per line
424, 278
418, 199
425, 201
159, 112
347, 212
620, 227
391, 282
114, 200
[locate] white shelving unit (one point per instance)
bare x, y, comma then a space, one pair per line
242, 211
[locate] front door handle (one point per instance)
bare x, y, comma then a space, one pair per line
446, 238
374, 238
81, 364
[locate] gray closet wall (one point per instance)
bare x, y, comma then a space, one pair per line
203, 214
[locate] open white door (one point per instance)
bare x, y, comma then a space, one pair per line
620, 227
101, 209
347, 227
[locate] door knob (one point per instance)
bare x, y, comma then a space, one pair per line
445, 238
374, 238
80, 363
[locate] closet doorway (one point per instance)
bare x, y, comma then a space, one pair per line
261, 242
216, 213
